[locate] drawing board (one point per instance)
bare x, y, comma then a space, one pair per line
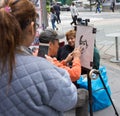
85, 39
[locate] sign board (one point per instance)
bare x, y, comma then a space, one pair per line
85, 39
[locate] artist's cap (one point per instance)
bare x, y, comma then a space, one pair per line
48, 35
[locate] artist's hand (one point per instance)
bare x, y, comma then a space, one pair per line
77, 52
69, 57
50, 59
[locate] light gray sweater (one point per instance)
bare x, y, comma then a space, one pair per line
38, 88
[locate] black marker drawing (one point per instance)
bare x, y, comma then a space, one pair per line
83, 44
85, 39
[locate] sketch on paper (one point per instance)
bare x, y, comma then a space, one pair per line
85, 39
83, 44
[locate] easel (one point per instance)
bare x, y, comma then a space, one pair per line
89, 74
85, 23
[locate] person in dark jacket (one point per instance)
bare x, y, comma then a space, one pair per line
57, 11
112, 6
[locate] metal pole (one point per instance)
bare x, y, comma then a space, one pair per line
44, 14
90, 93
116, 45
90, 5
97, 72
108, 94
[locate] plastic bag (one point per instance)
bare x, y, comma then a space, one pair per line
99, 96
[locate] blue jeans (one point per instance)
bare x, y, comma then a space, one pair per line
53, 24
98, 9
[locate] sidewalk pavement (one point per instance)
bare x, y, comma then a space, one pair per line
107, 51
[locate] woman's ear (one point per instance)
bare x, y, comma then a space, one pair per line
50, 44
33, 28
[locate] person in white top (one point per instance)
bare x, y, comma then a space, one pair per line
74, 14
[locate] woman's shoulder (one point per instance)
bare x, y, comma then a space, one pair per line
30, 60
36, 63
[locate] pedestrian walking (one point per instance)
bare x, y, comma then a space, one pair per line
29, 85
53, 18
112, 6
74, 14
98, 7
57, 12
